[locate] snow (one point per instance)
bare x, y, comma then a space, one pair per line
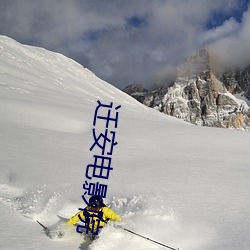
242, 99
182, 185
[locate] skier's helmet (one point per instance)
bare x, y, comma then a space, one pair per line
96, 201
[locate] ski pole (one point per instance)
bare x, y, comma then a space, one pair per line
45, 228
149, 239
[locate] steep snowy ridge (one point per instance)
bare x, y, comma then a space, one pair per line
40, 72
182, 185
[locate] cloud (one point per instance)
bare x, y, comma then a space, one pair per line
121, 41
232, 50
228, 28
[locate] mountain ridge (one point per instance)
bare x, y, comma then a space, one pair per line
200, 95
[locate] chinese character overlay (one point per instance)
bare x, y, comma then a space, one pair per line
105, 142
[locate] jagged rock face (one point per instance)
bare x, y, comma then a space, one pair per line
133, 88
137, 91
205, 102
237, 81
199, 97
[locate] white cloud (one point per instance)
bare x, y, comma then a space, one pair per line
97, 32
228, 28
233, 50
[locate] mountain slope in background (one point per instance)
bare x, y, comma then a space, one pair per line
201, 95
183, 185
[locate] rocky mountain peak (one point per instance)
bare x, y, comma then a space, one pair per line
200, 96
197, 64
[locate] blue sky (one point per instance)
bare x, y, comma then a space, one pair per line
218, 17
131, 41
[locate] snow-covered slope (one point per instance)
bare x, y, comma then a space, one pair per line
176, 183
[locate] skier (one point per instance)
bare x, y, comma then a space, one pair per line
95, 216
